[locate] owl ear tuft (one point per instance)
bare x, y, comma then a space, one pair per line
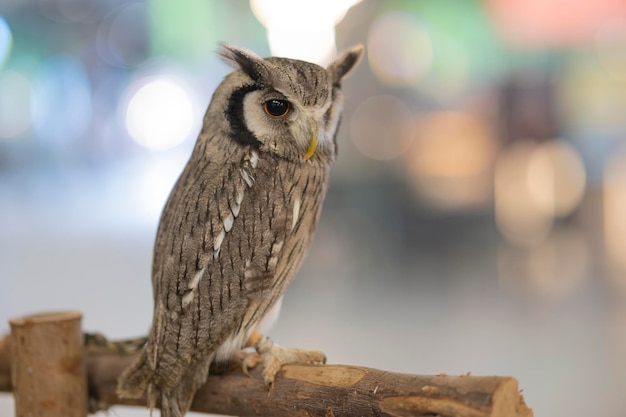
345, 62
247, 61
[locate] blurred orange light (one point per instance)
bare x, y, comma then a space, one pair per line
556, 178
451, 144
518, 218
451, 158
534, 183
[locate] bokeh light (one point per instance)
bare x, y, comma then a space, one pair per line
302, 30
160, 113
457, 46
399, 49
534, 184
518, 218
556, 178
6, 41
119, 41
451, 158
615, 216
380, 127
61, 102
15, 104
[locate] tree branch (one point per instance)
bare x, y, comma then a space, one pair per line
323, 390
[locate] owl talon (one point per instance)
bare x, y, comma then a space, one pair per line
274, 357
250, 360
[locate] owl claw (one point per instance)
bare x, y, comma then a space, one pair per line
275, 357
249, 361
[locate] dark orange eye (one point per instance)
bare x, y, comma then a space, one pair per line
276, 108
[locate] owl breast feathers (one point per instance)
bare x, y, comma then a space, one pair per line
239, 219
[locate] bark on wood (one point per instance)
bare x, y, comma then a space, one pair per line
47, 367
325, 390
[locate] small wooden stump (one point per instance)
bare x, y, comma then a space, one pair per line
48, 372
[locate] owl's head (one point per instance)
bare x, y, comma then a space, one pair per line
284, 106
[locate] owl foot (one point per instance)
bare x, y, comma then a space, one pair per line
273, 357
249, 359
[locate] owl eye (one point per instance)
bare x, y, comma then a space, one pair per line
276, 108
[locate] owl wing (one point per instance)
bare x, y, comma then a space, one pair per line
216, 255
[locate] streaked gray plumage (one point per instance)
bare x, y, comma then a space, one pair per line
240, 218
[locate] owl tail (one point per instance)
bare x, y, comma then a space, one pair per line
174, 402
177, 401
136, 379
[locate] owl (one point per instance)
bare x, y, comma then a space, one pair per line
238, 222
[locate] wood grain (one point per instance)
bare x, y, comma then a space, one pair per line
47, 367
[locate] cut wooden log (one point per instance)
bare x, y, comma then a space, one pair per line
47, 366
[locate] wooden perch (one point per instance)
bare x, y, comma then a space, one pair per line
321, 390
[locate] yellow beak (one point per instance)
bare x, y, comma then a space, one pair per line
312, 147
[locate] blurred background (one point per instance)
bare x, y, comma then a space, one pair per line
476, 220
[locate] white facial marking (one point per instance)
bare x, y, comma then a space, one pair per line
296, 212
217, 243
254, 158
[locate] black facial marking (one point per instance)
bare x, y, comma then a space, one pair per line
234, 114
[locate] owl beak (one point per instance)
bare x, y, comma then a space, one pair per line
312, 145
